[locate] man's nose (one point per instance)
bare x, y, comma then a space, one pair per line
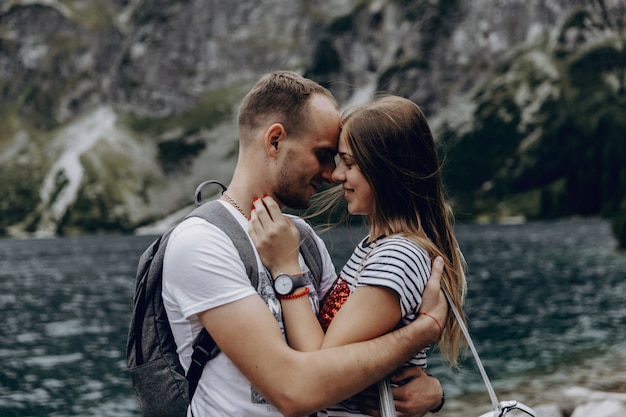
327, 173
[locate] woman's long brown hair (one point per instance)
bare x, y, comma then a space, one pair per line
393, 146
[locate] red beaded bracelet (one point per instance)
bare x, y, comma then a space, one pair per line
293, 296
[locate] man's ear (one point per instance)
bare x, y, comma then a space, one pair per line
273, 136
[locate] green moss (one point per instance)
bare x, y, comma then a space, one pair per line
174, 154
527, 204
91, 212
38, 103
213, 109
552, 198
93, 14
155, 11
8, 126
477, 156
342, 25
586, 70
576, 165
20, 184
98, 200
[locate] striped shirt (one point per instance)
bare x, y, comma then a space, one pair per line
397, 263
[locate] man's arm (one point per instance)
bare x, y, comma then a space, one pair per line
247, 333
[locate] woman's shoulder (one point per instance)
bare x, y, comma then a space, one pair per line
401, 244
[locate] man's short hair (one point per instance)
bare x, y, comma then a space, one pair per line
282, 95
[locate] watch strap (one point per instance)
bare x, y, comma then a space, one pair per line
297, 279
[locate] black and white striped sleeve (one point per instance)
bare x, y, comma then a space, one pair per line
400, 264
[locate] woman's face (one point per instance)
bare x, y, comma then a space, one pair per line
357, 190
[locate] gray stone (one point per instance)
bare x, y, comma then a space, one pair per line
548, 410
606, 408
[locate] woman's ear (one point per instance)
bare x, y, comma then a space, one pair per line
273, 136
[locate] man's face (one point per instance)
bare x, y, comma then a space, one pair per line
309, 159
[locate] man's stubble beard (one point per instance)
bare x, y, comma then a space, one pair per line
292, 190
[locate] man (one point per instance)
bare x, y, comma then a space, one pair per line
288, 128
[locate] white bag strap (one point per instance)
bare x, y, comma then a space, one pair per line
499, 409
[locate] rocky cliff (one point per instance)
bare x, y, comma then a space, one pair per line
112, 111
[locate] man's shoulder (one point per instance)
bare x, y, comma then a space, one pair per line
193, 226
195, 230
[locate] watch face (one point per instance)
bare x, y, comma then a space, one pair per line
283, 285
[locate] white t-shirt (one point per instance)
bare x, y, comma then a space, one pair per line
202, 270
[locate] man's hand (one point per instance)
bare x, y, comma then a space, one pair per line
415, 393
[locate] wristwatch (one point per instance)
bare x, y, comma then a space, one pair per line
285, 284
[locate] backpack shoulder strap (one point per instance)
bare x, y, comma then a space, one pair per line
215, 213
204, 347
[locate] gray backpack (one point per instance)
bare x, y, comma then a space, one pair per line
161, 387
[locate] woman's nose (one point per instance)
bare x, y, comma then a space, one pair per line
338, 174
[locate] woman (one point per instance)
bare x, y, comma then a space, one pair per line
389, 172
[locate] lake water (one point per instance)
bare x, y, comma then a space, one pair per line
546, 308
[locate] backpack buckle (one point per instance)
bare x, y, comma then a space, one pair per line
204, 349
201, 355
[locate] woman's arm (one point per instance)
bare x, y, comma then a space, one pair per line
369, 312
277, 240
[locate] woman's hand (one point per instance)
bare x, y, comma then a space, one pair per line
275, 236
